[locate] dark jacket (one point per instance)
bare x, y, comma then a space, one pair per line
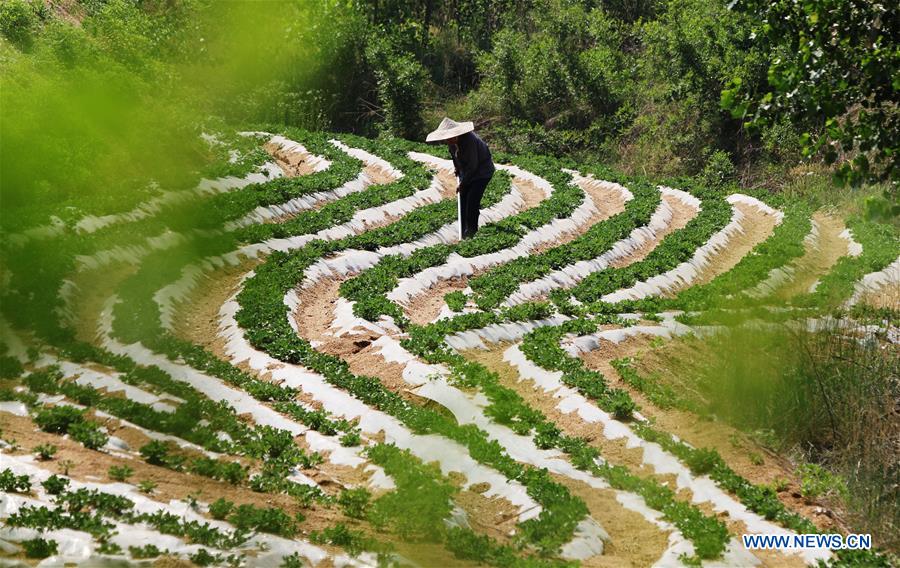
472, 159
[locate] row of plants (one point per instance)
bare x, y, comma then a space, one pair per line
507, 407
676, 248
496, 285
542, 348
369, 289
275, 448
412, 226
264, 317
269, 284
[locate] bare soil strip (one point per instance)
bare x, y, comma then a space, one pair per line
756, 226
817, 261
293, 164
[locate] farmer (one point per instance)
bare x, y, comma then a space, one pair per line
474, 169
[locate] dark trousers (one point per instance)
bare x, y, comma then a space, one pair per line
470, 197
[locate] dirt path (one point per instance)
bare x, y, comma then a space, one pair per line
756, 226
817, 261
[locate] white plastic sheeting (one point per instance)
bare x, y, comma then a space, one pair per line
873, 282
703, 489
571, 275
457, 266
685, 273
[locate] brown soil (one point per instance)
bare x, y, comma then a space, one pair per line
424, 308
756, 227
681, 216
888, 296
493, 516
634, 541
293, 164
817, 262
531, 194
607, 200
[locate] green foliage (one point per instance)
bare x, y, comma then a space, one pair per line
456, 301
12, 483
816, 481
18, 22
45, 451
54, 485
268, 520
220, 508
832, 67
146, 551
353, 541
58, 419
422, 500
400, 81
120, 472
354, 502
89, 434
39, 548
10, 367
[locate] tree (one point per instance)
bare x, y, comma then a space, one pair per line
833, 70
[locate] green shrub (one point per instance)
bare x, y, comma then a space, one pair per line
17, 23
10, 368
703, 460
621, 404
58, 419
12, 483
355, 502
89, 434
816, 481
45, 451
120, 472
220, 508
39, 548
456, 300
146, 486
54, 485
351, 439
146, 551
155, 452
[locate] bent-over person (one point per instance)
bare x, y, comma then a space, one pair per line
474, 168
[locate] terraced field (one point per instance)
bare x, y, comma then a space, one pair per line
317, 371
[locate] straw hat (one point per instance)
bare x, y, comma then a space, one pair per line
448, 129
